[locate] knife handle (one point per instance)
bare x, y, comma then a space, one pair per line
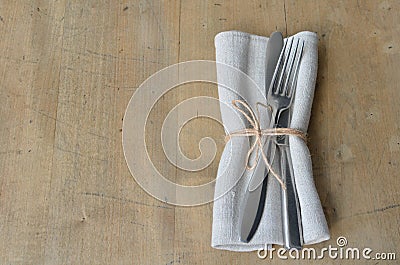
291, 218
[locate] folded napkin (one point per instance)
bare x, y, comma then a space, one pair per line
246, 52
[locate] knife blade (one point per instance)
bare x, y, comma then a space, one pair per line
254, 200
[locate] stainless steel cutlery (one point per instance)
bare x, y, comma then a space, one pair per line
281, 89
254, 201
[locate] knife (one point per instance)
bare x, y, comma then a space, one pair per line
253, 204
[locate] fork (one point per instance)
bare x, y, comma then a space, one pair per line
280, 93
280, 97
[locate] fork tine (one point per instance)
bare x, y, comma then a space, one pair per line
294, 81
277, 70
282, 74
286, 90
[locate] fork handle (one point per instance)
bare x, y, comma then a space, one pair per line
291, 220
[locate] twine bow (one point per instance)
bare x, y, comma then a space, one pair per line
258, 133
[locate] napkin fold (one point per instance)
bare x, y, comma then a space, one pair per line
247, 52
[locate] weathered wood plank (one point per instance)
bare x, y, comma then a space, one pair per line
30, 58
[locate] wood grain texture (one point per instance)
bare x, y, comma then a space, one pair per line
68, 70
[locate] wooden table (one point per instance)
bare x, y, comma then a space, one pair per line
68, 70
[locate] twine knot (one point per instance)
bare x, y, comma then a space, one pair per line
256, 131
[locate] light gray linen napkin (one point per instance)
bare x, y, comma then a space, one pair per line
247, 53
